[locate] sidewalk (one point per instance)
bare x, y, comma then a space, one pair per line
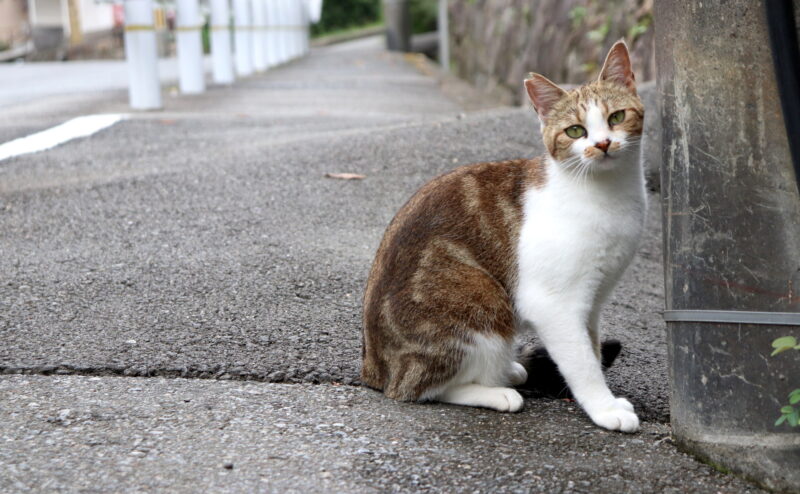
171, 257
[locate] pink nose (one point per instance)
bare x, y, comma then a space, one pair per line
603, 145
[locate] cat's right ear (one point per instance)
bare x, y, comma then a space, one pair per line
543, 94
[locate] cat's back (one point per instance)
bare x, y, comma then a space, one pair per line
468, 218
477, 207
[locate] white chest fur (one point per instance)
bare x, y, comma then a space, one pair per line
577, 237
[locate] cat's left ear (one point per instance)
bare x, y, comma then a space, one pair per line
543, 94
617, 67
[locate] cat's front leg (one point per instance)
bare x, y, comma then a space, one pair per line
594, 331
570, 346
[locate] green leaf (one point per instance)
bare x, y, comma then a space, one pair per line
780, 349
794, 397
787, 409
780, 420
790, 341
794, 419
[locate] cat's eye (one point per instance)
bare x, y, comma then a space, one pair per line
617, 117
575, 131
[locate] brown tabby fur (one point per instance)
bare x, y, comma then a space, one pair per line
444, 271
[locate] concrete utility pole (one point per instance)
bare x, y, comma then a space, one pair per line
221, 42
189, 47
144, 88
731, 215
398, 25
243, 31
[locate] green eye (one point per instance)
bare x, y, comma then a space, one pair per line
617, 117
575, 131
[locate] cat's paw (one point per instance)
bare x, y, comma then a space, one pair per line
506, 400
623, 404
517, 374
617, 418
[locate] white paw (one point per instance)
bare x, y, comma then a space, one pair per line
617, 418
623, 404
505, 400
517, 374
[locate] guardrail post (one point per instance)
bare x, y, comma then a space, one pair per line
297, 27
283, 20
398, 25
258, 8
221, 42
242, 37
444, 36
144, 88
314, 15
272, 31
189, 47
304, 6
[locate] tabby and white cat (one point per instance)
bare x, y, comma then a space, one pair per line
480, 253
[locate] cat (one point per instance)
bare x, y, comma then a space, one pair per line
482, 252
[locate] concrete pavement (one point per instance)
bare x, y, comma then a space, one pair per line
205, 241
93, 434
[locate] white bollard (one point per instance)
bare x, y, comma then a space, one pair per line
221, 42
314, 11
189, 46
306, 26
272, 38
140, 50
257, 7
277, 29
242, 37
286, 37
303, 26
291, 22
297, 28
314, 16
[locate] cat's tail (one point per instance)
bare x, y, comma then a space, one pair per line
543, 376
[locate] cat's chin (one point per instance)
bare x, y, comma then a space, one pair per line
604, 163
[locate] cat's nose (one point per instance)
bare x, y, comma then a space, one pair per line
603, 145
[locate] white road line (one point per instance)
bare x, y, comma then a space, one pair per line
71, 129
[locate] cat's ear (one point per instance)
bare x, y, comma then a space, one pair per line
543, 94
617, 67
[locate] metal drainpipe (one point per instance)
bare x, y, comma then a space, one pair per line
786, 58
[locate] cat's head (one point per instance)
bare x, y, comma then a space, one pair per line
595, 123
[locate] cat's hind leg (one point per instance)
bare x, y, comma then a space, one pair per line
478, 395
486, 370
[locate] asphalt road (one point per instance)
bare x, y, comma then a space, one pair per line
204, 241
